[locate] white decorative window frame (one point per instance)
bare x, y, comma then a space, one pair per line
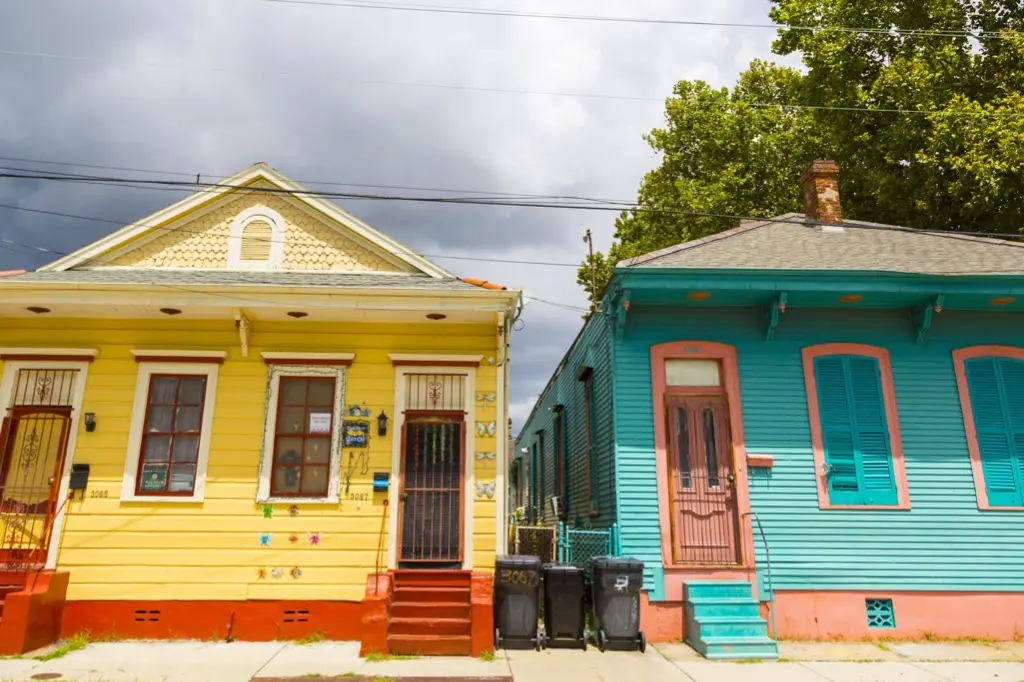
10, 369
277, 228
270, 428
211, 371
469, 498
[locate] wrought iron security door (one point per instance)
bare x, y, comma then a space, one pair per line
703, 484
432, 491
33, 445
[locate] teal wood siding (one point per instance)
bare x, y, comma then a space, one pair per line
996, 387
943, 543
854, 430
592, 349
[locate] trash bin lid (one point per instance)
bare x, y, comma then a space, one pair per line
518, 561
614, 563
562, 568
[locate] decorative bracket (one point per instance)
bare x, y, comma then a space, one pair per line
619, 312
244, 327
923, 318
778, 308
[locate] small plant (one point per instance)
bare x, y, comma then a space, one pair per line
377, 657
215, 636
312, 638
883, 646
382, 679
65, 647
487, 656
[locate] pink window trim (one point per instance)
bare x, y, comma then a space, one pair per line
960, 357
891, 417
700, 350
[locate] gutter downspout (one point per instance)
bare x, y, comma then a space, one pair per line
502, 435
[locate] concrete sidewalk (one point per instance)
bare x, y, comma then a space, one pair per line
799, 662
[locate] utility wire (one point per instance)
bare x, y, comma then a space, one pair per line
516, 91
446, 9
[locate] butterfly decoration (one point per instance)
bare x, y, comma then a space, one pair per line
296, 572
485, 397
261, 573
265, 539
277, 573
268, 511
491, 427
293, 510
485, 489
293, 538
486, 455
314, 538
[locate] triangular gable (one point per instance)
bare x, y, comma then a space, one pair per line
328, 232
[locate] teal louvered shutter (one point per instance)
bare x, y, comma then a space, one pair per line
855, 430
996, 387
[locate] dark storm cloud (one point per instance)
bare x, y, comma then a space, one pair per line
211, 87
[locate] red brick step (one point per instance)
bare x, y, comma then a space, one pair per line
430, 645
430, 610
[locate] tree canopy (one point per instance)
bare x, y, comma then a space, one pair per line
922, 108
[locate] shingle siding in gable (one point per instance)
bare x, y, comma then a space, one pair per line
593, 350
942, 543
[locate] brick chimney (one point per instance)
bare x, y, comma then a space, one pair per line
821, 192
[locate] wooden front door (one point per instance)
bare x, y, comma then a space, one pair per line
431, 495
33, 445
702, 487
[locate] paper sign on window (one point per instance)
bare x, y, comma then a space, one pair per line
320, 422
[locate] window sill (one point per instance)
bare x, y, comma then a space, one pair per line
330, 499
997, 508
177, 499
864, 507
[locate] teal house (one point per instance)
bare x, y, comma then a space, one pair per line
804, 427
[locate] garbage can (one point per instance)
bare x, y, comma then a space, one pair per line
616, 585
516, 602
564, 606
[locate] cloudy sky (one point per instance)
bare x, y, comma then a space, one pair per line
338, 94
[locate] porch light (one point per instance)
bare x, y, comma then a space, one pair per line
170, 311
90, 422
382, 423
37, 310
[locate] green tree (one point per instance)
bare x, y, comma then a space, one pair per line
960, 168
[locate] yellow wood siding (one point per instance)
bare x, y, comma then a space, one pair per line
310, 243
211, 549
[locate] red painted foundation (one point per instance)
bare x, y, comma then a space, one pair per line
32, 616
374, 620
255, 621
482, 610
662, 621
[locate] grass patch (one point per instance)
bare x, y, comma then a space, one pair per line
382, 679
65, 647
377, 657
487, 656
312, 638
883, 646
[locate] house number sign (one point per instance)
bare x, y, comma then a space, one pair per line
519, 577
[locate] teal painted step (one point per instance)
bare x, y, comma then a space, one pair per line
723, 621
736, 647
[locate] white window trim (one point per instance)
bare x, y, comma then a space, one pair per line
339, 357
42, 353
399, 358
277, 235
270, 429
7, 388
221, 354
468, 491
139, 406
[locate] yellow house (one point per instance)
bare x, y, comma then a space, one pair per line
251, 415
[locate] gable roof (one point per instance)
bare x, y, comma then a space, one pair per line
251, 175
791, 242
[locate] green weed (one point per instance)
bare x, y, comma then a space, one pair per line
487, 656
312, 638
65, 647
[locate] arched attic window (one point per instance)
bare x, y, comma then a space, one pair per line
257, 240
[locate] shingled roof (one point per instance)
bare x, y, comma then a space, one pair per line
792, 242
334, 280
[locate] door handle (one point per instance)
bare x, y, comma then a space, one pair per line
404, 496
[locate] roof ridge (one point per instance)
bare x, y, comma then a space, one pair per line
744, 227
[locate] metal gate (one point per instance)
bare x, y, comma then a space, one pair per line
33, 445
431, 492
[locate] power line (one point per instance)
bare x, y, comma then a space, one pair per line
169, 185
516, 91
445, 9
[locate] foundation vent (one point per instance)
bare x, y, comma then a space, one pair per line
881, 615
146, 616
296, 615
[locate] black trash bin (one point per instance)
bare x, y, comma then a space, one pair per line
516, 602
616, 585
564, 606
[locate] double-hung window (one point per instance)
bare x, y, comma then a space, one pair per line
854, 427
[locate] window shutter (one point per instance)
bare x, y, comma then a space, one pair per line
256, 240
872, 431
996, 387
854, 430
